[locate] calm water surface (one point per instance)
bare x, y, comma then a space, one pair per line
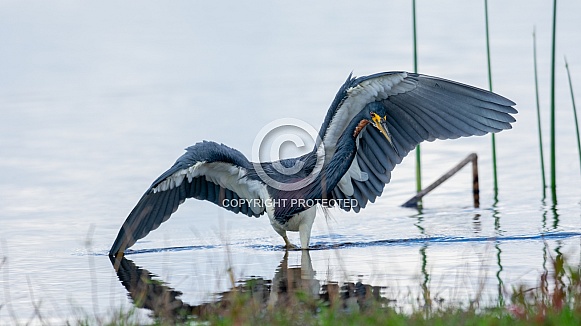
98, 99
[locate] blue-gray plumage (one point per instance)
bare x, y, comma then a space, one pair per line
372, 124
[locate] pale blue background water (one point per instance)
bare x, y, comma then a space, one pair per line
97, 99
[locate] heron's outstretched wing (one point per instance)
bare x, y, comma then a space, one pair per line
419, 108
207, 171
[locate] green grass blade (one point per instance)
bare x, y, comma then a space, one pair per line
539, 115
574, 111
418, 150
494, 170
553, 148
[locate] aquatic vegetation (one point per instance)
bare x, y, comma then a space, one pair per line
553, 143
418, 149
574, 111
544, 183
494, 169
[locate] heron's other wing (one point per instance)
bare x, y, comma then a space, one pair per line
419, 108
207, 171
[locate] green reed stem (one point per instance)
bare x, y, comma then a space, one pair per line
418, 150
553, 148
574, 111
539, 114
494, 170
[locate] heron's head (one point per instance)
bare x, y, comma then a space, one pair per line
378, 118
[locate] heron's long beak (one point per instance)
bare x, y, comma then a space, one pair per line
381, 125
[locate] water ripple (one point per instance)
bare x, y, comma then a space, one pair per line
445, 239
323, 245
166, 249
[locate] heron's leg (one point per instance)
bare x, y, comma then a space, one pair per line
281, 230
287, 243
305, 227
305, 234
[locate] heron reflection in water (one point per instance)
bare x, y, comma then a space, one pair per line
147, 291
372, 124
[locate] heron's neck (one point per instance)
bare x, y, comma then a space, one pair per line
341, 160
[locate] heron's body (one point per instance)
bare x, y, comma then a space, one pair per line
373, 122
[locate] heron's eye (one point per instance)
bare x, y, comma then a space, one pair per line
385, 117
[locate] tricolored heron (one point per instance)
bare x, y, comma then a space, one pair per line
372, 124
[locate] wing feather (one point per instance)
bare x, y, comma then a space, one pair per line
359, 195
460, 112
389, 154
207, 171
370, 151
373, 181
419, 108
